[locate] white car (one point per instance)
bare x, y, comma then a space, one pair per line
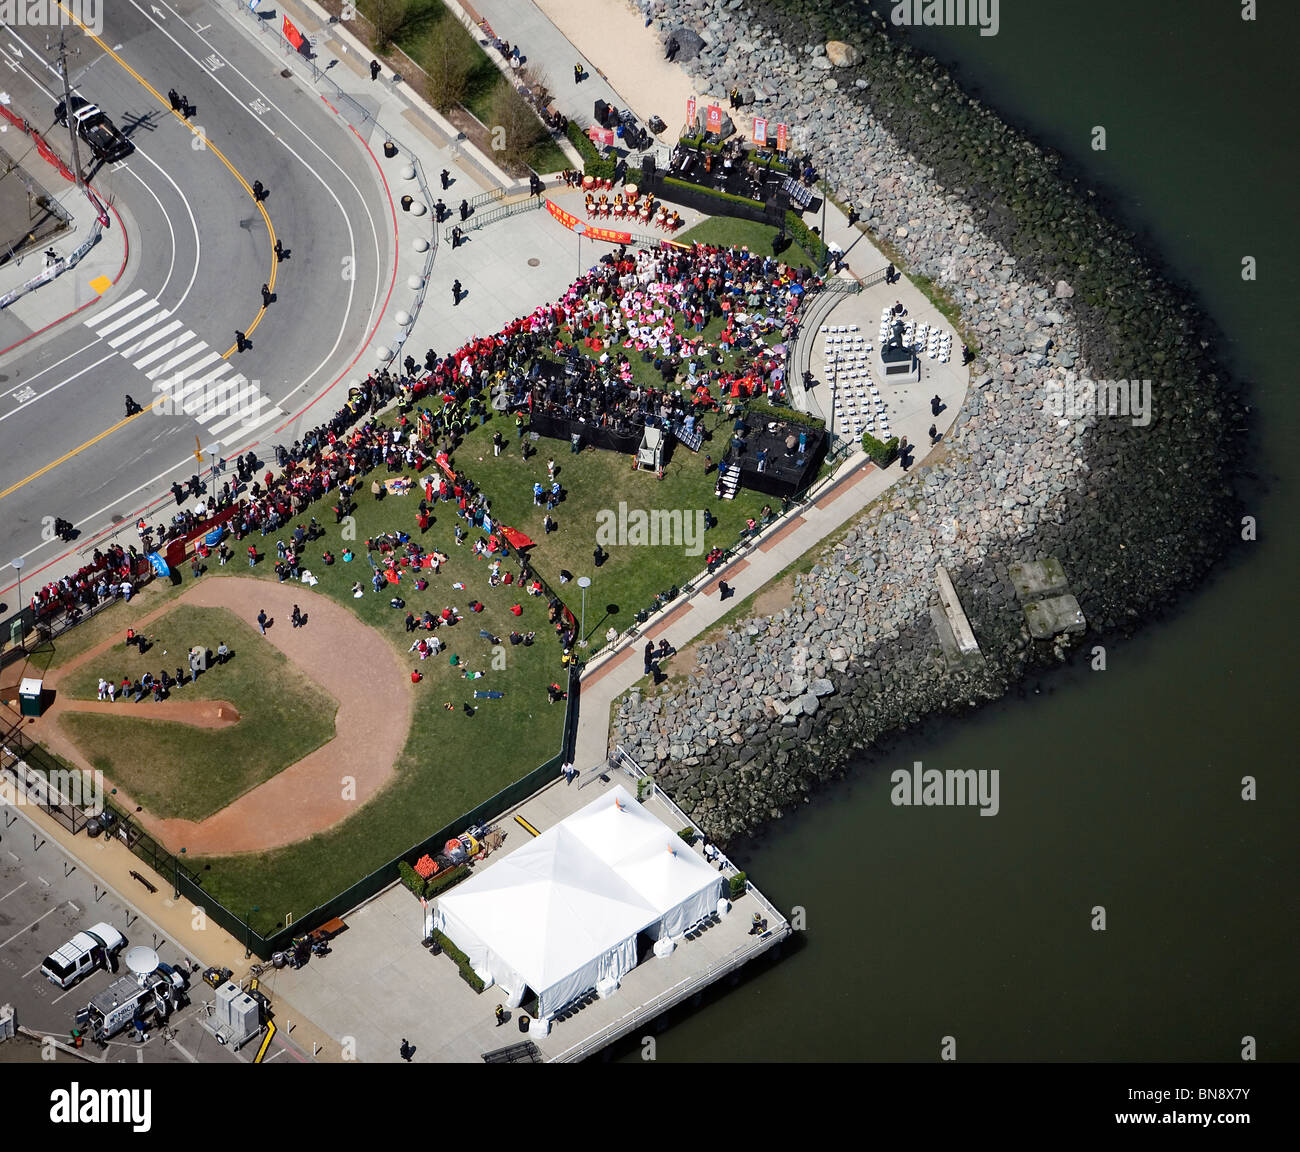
94, 948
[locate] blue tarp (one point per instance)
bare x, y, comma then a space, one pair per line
159, 564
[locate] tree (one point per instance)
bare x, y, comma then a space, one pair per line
386, 18
447, 56
515, 129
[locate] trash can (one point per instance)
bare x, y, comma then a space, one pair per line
29, 695
16, 632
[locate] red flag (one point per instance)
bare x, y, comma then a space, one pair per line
292, 34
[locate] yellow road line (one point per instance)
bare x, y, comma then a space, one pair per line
247, 188
69, 455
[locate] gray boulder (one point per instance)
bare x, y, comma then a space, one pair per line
689, 43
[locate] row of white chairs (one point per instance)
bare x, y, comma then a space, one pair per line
839, 327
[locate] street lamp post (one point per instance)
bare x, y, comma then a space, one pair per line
213, 449
584, 582
18, 562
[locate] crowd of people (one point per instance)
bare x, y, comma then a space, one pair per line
113, 573
656, 305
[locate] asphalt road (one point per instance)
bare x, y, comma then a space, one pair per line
46, 898
201, 249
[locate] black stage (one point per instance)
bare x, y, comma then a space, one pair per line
563, 428
785, 469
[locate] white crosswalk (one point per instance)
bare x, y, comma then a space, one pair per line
187, 375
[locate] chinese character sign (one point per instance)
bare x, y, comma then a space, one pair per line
782, 141
566, 218
760, 130
713, 121
690, 114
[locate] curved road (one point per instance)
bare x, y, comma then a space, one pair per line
201, 249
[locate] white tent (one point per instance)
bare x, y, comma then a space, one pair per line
562, 913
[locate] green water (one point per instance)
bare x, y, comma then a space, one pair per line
1121, 788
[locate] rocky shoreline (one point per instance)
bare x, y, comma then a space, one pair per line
1053, 290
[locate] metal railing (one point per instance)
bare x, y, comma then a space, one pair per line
479, 220
492, 195
672, 996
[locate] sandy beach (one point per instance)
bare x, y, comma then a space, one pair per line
611, 35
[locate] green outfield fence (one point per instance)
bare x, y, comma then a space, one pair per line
186, 884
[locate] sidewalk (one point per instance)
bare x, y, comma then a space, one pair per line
75, 288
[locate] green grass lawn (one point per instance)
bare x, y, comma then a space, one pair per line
451, 761
596, 480
485, 79
177, 770
730, 232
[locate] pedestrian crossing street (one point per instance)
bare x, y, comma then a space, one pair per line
186, 375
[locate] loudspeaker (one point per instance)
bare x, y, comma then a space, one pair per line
648, 164
602, 113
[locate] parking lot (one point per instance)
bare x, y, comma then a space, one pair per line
46, 897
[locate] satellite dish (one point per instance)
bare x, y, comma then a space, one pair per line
141, 960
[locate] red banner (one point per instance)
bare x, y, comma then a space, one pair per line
713, 118
566, 218
781, 140
608, 234
690, 114
760, 130
292, 34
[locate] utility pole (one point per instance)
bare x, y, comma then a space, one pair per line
67, 108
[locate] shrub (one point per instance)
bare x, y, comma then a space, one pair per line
739, 883
880, 452
766, 411
687, 834
445, 879
411, 878
673, 182
601, 169
462, 962
802, 235
582, 142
